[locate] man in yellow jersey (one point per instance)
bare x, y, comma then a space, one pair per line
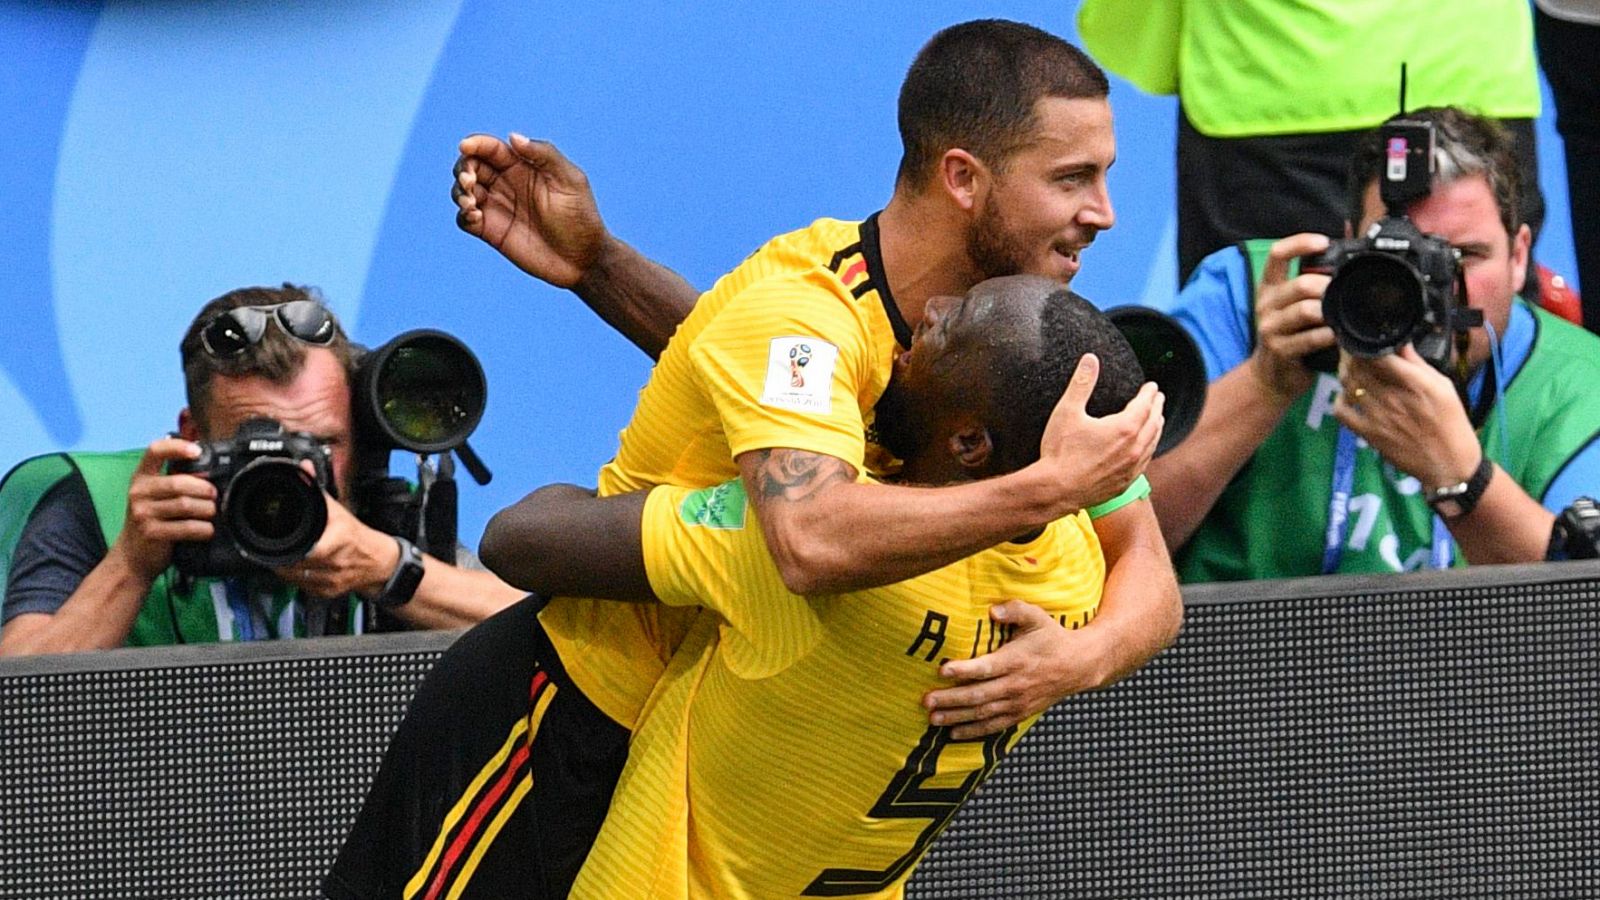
747, 777
498, 778
1007, 135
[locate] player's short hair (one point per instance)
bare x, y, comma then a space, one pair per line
1464, 145
1029, 384
277, 357
975, 85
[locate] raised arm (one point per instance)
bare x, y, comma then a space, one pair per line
98, 614
528, 201
563, 540
1246, 403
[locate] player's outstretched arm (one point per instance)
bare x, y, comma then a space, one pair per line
528, 201
563, 540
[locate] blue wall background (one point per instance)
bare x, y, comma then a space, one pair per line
156, 154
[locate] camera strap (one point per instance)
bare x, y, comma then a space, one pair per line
1344, 476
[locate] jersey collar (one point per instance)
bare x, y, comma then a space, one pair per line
872, 252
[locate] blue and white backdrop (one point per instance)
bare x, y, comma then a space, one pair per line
155, 154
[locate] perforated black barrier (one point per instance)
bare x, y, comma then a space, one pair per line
1404, 736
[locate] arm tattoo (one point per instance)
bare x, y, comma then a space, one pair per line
795, 475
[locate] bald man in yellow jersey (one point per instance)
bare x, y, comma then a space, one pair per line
748, 777
774, 375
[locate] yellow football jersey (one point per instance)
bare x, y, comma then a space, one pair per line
786, 753
790, 349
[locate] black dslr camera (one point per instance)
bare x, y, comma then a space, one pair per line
1395, 285
270, 510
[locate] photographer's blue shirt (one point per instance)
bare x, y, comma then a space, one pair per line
1272, 519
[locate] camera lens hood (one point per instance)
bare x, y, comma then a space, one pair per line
275, 511
423, 391
1170, 358
1375, 303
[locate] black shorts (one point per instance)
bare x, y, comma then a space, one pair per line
498, 778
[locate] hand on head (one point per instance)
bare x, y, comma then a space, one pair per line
1098, 458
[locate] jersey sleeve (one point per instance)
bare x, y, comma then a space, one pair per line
788, 363
1215, 308
703, 547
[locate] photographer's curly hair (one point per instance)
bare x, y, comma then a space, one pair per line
277, 357
1464, 145
975, 85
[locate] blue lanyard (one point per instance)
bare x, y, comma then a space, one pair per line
1344, 474
243, 610
1442, 545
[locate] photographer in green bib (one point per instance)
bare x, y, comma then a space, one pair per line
237, 527
1386, 401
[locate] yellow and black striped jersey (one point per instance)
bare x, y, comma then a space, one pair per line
786, 752
790, 349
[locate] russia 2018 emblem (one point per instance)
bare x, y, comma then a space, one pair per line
800, 374
799, 355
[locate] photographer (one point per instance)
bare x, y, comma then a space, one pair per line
93, 566
1292, 471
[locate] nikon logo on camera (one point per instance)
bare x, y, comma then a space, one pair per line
264, 446
1385, 243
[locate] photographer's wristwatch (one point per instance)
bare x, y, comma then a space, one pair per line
404, 579
1456, 500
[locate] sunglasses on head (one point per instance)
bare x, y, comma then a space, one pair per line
230, 333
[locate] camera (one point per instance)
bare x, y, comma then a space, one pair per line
1395, 285
1576, 534
270, 511
422, 392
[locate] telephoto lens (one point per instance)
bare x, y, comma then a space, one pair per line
423, 391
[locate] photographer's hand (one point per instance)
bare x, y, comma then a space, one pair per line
1248, 401
1410, 413
350, 557
163, 509
1289, 320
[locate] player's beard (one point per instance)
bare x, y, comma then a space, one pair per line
993, 245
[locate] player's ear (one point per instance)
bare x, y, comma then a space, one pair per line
963, 177
971, 445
